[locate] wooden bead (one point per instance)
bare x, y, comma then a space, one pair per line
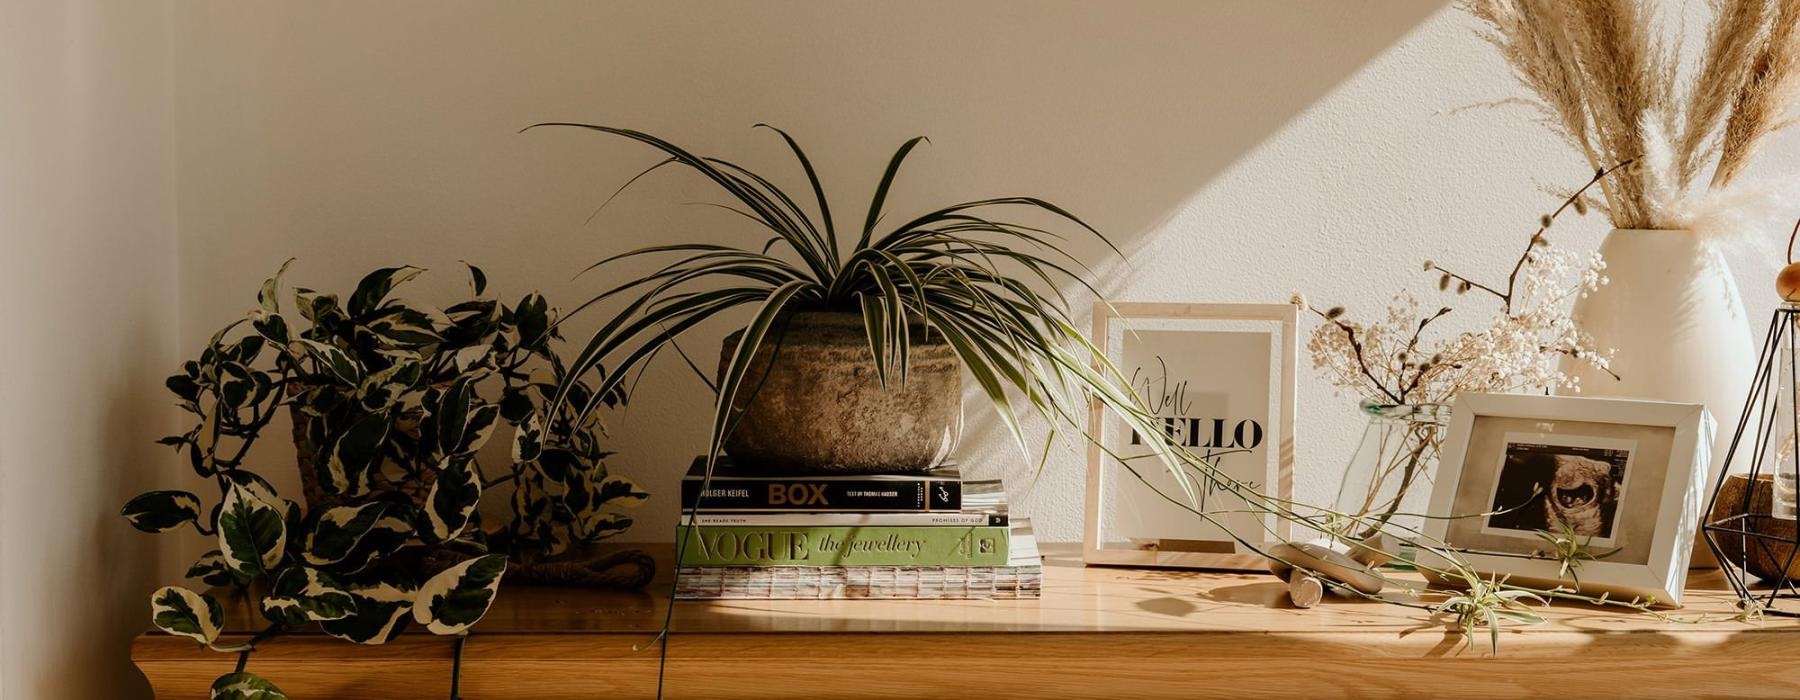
1787, 282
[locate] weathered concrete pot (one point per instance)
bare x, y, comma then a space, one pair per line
811, 401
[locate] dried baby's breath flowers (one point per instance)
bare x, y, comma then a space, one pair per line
1395, 360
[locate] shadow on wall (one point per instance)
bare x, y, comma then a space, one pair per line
359, 136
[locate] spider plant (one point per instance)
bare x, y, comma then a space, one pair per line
986, 285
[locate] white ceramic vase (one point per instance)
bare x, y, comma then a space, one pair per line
1672, 315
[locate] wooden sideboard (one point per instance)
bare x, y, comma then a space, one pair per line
1097, 632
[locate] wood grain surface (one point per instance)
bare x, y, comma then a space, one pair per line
1097, 632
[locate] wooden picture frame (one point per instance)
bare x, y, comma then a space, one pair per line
1629, 474
1243, 357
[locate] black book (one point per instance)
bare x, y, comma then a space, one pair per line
733, 489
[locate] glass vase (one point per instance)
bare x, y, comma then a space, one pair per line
1387, 484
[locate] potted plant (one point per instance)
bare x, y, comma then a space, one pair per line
853, 355
390, 421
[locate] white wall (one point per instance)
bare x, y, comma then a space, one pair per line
1237, 151
88, 303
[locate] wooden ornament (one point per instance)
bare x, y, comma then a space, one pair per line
1323, 562
1787, 282
1305, 590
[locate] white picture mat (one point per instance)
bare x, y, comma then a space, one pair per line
1126, 522
1678, 512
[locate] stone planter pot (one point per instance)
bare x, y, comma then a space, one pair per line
811, 401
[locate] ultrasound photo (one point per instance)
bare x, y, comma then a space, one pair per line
1558, 487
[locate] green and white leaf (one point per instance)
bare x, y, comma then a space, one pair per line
375, 287
244, 685
338, 363
355, 455
266, 298
352, 536
451, 414
162, 511
212, 570
184, 613
302, 594
620, 491
252, 532
453, 498
479, 428
528, 441
382, 612
453, 601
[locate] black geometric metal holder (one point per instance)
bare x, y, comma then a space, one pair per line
1739, 524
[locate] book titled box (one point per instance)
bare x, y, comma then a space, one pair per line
731, 489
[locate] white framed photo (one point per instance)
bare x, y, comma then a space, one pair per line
1220, 378
1624, 477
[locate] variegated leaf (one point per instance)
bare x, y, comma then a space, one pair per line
479, 428
313, 305
252, 532
470, 357
453, 601
162, 511
384, 388
597, 525
477, 278
528, 441
381, 612
451, 414
533, 319
453, 499
375, 287
211, 570
620, 491
349, 538
263, 491
207, 436
184, 613
266, 297
339, 363
244, 685
303, 594
236, 385
355, 455
406, 326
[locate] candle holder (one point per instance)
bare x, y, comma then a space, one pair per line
1750, 524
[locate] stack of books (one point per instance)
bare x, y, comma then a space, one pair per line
813, 536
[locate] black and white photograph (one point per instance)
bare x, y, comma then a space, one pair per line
1556, 486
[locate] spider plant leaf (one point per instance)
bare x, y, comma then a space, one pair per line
881, 190
875, 325
780, 213
668, 320
736, 186
818, 191
748, 344
628, 183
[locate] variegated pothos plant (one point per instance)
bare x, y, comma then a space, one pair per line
390, 421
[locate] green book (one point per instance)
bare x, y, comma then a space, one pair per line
734, 545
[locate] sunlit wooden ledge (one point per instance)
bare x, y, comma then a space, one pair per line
1096, 633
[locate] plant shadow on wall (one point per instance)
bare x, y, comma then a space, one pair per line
986, 286
389, 417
